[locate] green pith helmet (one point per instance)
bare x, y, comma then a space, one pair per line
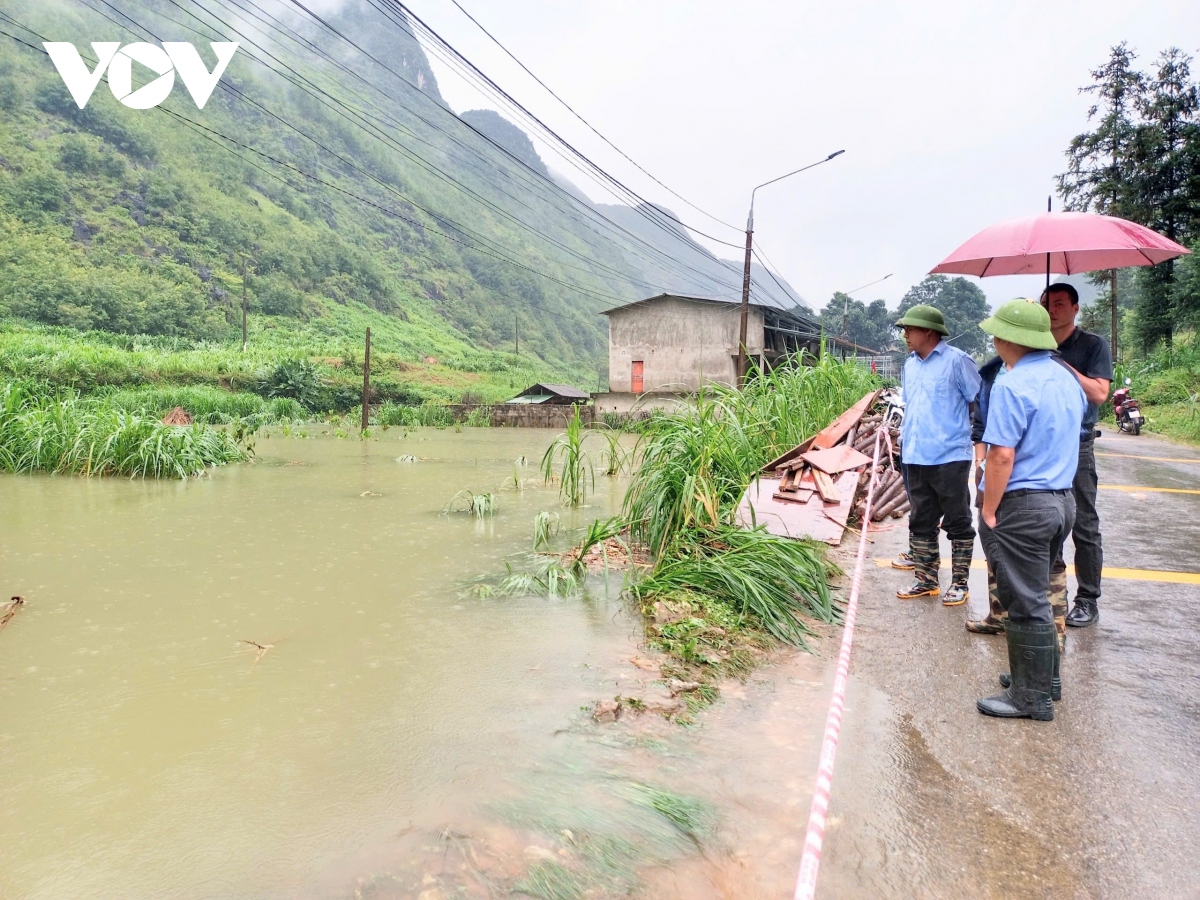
924, 317
1023, 322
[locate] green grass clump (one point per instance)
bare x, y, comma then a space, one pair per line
552, 881
209, 405
576, 474
481, 506
692, 817
410, 416
765, 580
66, 434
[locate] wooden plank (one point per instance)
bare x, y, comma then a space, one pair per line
826, 487
792, 454
840, 512
782, 518
841, 426
836, 459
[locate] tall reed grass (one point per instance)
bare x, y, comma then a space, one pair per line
66, 434
695, 464
209, 405
410, 416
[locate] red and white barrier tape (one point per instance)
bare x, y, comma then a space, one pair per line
806, 881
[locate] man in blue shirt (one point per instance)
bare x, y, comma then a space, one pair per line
1032, 435
940, 383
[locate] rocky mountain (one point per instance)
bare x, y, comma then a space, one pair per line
327, 164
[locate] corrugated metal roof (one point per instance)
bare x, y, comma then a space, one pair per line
797, 316
558, 390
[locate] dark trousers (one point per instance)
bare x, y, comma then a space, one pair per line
1028, 538
1089, 553
940, 492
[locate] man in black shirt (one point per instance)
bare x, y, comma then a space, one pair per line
1088, 355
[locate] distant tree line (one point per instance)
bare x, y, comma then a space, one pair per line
1141, 161
962, 304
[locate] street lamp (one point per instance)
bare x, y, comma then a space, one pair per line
741, 360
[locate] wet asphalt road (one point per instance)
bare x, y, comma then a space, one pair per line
932, 799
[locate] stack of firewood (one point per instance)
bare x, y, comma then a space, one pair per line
890, 498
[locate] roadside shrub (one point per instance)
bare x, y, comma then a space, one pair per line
294, 379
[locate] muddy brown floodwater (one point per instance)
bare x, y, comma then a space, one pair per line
270, 683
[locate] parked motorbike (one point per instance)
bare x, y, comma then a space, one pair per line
1127, 410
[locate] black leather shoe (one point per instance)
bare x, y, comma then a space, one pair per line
1083, 614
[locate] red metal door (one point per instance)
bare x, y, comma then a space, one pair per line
638, 384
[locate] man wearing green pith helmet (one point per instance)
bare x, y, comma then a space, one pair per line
1032, 437
940, 383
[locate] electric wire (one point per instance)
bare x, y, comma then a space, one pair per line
592, 128
447, 222
339, 108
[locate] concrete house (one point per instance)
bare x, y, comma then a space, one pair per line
665, 348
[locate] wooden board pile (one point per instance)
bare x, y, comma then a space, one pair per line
814, 489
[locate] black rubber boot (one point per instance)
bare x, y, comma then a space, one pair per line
1031, 652
1055, 681
1084, 613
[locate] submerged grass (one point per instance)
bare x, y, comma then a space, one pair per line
66, 434
576, 473
481, 506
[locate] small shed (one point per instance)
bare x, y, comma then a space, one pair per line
552, 395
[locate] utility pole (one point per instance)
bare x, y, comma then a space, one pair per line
745, 317
366, 409
245, 337
516, 336
1112, 295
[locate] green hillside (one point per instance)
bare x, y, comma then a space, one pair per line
327, 165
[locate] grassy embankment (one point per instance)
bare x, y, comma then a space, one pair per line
316, 366
716, 595
1167, 382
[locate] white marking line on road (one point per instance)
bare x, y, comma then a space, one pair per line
1113, 572
1154, 458
1139, 489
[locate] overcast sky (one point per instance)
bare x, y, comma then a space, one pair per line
953, 115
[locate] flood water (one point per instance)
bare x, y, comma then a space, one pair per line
148, 751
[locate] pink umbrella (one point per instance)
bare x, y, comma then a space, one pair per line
1063, 242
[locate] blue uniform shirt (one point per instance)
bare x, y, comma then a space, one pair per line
1036, 408
938, 391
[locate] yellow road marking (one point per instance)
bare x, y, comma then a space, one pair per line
1139, 489
1154, 458
1113, 572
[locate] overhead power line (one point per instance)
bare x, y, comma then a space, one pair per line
592, 128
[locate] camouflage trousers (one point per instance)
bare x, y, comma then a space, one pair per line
1057, 596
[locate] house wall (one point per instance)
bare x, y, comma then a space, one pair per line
681, 344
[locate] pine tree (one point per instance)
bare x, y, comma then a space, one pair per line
1165, 184
1100, 173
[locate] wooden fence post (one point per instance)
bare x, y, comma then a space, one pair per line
366, 409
